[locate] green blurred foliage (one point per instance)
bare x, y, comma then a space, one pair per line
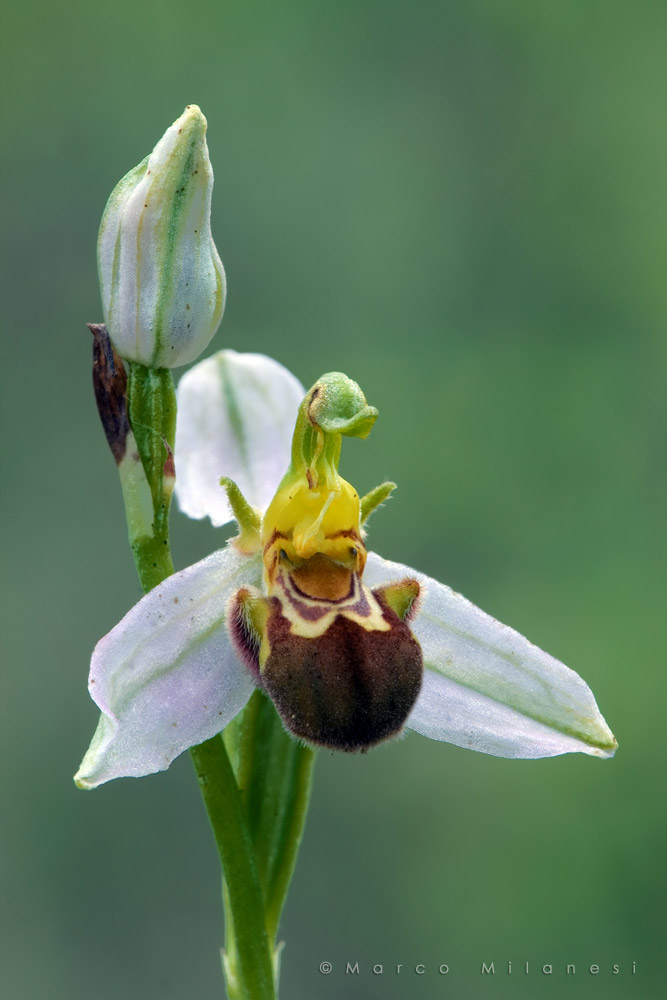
459, 204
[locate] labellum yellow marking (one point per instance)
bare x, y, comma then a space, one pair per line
310, 617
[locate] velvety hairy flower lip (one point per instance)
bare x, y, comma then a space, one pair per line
167, 676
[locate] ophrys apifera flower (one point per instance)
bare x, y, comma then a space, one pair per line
337, 659
352, 648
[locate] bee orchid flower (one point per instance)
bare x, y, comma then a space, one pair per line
352, 648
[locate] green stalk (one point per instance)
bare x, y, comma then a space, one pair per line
151, 401
152, 415
248, 962
257, 814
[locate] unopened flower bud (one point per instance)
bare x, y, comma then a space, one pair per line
162, 281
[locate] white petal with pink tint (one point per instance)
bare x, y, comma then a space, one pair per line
236, 415
166, 677
488, 688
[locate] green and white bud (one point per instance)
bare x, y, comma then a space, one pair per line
162, 281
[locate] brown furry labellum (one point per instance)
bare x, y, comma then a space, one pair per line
342, 673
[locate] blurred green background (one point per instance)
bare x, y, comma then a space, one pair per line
460, 205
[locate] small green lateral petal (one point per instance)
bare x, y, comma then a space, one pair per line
248, 518
371, 501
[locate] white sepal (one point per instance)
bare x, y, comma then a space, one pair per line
488, 688
236, 415
166, 677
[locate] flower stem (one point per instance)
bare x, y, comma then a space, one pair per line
139, 420
257, 801
151, 402
248, 962
258, 822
